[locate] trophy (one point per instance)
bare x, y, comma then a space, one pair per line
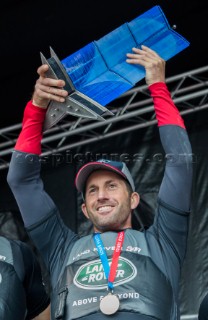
98, 73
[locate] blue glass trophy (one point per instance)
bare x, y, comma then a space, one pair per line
98, 73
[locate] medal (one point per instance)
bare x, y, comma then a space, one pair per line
109, 304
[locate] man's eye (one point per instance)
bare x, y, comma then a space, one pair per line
112, 186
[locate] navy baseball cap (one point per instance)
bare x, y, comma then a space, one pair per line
114, 166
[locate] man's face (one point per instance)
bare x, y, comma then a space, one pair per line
108, 203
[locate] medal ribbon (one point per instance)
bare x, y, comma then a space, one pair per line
110, 271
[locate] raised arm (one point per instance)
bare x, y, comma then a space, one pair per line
24, 172
46, 89
175, 189
39, 212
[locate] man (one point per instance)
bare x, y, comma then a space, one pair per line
116, 272
22, 293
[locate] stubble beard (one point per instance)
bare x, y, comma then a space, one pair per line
114, 222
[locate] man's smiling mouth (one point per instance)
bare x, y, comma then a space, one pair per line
104, 208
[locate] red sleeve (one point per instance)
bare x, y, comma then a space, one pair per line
165, 109
32, 130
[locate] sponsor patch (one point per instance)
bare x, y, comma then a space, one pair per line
91, 275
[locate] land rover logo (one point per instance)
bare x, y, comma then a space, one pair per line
91, 275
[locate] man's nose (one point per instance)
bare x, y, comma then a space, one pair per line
102, 194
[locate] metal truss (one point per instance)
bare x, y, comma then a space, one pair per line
133, 110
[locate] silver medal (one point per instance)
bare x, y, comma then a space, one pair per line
109, 304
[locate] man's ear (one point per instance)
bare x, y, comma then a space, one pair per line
135, 199
84, 210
